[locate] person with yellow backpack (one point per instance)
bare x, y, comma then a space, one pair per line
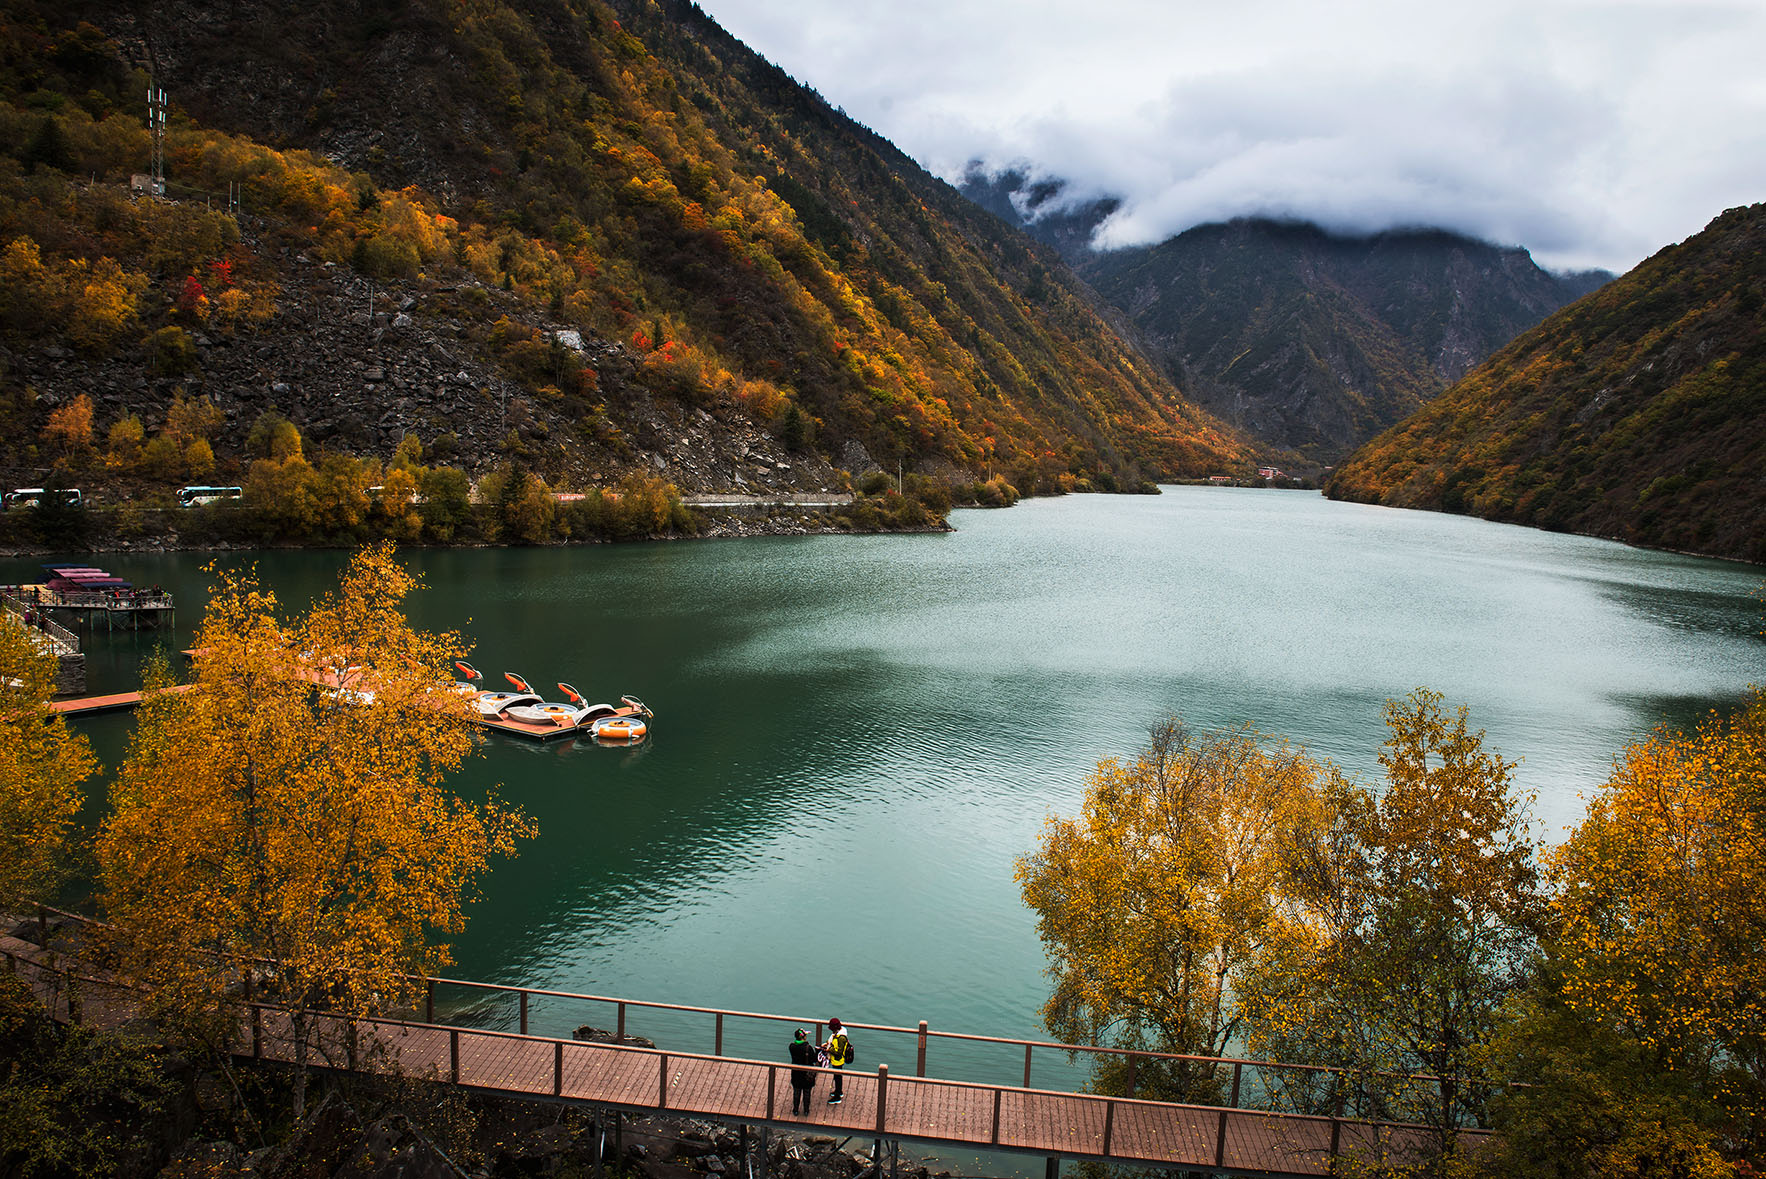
840, 1054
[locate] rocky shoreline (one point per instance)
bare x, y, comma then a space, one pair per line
715, 525
452, 1137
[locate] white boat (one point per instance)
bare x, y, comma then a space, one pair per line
581, 714
498, 704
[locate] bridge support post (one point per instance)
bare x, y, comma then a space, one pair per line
766, 1150
920, 1064
1220, 1143
600, 1138
882, 1101
524, 1013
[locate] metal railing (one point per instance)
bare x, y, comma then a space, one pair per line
92, 599
1249, 1077
60, 636
1240, 1069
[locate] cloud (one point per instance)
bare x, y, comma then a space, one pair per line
1590, 131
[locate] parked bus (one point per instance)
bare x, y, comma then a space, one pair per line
196, 497
30, 497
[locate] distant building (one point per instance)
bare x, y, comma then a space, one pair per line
1220, 479
141, 184
1270, 473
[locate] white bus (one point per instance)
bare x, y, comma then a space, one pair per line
196, 497
30, 497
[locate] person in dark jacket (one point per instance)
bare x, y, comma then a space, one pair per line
803, 1082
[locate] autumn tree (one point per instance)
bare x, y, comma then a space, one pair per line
1660, 935
291, 807
1163, 894
42, 765
273, 436
122, 443
69, 429
1421, 907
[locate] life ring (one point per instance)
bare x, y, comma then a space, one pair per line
620, 728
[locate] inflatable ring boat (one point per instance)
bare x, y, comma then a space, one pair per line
619, 728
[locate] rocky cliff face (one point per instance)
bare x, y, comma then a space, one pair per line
359, 364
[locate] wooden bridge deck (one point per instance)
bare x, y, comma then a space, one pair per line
876, 1105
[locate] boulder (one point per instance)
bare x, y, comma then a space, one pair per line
603, 1036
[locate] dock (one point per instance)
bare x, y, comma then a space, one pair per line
86, 593
116, 702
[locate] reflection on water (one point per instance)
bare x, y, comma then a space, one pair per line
856, 736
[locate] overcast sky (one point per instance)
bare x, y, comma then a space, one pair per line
1593, 132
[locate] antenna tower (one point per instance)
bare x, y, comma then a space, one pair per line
156, 126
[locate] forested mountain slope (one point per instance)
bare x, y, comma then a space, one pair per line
1638, 412
1304, 338
492, 173
1317, 341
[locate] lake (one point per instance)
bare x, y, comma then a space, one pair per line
856, 736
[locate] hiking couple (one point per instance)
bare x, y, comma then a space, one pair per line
835, 1054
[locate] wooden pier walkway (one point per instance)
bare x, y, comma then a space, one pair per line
115, 702
878, 1104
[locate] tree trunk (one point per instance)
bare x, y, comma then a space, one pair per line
299, 1025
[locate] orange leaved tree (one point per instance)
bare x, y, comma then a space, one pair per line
1661, 913
41, 767
288, 814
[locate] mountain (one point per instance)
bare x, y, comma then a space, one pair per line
1036, 206
1638, 412
1306, 339
592, 237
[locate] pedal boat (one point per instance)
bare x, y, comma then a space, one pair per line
492, 705
581, 714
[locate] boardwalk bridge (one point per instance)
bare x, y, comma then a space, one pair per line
622, 1077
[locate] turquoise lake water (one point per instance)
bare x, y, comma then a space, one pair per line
856, 736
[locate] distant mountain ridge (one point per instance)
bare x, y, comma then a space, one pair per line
1306, 339
1637, 413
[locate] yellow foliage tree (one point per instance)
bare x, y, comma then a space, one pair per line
103, 298
69, 428
1162, 896
1421, 909
291, 807
42, 765
1661, 900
